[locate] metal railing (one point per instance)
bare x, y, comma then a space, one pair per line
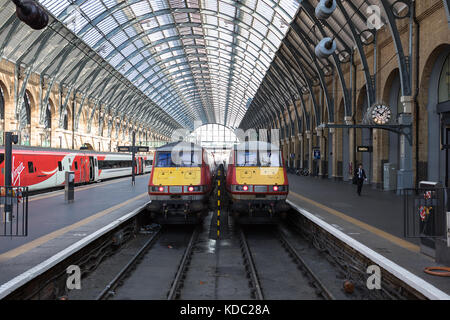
424, 212
14, 211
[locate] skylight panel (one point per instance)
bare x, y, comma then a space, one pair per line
140, 8
158, 4
92, 37
153, 37
92, 8
119, 38
107, 25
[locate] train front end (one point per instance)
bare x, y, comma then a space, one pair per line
257, 183
180, 184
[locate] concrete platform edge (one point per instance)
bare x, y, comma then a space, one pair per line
401, 273
23, 278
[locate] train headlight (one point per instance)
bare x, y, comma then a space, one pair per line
157, 189
194, 189
244, 188
280, 188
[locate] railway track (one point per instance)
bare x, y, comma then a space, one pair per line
115, 282
257, 263
177, 283
118, 283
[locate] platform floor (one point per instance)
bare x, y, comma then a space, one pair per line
375, 219
55, 225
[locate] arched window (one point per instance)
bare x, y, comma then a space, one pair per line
48, 117
66, 121
25, 121
25, 112
444, 82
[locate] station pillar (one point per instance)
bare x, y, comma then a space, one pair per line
300, 150
405, 176
349, 167
310, 151
322, 148
332, 154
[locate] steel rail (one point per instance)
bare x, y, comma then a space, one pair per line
250, 266
173, 292
108, 290
301, 262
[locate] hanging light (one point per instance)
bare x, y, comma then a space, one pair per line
325, 48
31, 13
325, 9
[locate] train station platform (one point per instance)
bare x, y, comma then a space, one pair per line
375, 219
54, 225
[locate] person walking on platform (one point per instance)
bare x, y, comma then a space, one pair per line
360, 176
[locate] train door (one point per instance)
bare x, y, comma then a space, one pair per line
141, 166
29, 174
60, 175
82, 170
92, 170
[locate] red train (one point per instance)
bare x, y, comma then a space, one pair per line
257, 184
44, 168
180, 183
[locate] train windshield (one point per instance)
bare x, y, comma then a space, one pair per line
262, 158
183, 159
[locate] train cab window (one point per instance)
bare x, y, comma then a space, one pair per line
246, 158
2, 157
76, 165
269, 159
186, 159
60, 168
164, 159
30, 167
261, 158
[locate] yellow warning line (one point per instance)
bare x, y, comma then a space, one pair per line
396, 240
44, 239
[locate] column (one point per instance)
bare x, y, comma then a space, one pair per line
322, 153
300, 150
310, 146
331, 152
349, 154
405, 176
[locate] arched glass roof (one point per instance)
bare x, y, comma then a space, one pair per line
196, 59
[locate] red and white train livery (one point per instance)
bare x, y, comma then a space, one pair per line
44, 168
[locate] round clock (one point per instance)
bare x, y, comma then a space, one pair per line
381, 114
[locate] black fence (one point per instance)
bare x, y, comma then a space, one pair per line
14, 211
425, 212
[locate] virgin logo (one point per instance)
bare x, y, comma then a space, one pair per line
16, 172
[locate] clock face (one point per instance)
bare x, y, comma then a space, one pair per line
381, 114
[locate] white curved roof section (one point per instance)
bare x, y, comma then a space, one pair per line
196, 59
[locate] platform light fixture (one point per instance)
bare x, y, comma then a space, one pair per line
325, 9
31, 13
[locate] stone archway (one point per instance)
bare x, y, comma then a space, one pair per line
25, 119
437, 107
